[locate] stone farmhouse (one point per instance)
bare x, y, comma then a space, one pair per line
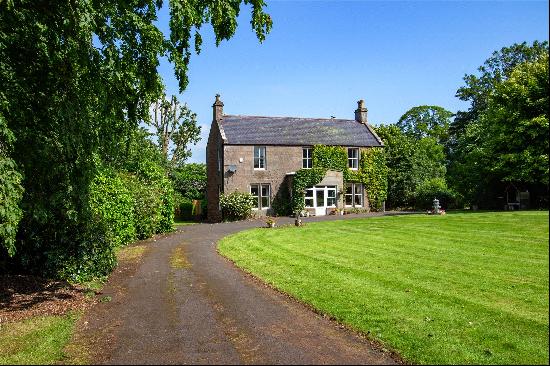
259, 155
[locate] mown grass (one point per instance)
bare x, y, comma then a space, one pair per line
36, 341
179, 223
459, 288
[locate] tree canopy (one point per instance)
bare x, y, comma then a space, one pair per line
76, 78
503, 137
426, 121
175, 128
411, 161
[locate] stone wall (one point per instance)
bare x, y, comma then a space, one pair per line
280, 161
214, 177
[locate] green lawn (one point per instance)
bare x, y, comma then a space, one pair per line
459, 288
36, 341
178, 223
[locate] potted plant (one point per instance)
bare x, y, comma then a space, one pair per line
270, 222
298, 220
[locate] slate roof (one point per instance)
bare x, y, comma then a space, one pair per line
293, 131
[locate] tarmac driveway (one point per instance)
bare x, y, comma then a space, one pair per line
206, 311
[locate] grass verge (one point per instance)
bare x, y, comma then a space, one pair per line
460, 288
36, 341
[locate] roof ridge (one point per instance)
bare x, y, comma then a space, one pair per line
315, 118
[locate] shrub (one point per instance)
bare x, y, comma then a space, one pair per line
190, 180
94, 256
152, 190
183, 207
434, 188
112, 204
167, 206
236, 205
146, 205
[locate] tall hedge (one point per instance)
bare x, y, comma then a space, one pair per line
11, 191
112, 203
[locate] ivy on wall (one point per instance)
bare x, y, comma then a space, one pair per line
372, 173
330, 157
374, 176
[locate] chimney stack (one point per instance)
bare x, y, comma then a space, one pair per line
217, 109
361, 112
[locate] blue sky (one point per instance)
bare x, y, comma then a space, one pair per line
323, 56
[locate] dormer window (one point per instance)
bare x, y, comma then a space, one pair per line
259, 157
353, 158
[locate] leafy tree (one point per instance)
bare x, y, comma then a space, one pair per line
190, 180
491, 142
509, 141
11, 191
516, 121
176, 127
410, 162
78, 76
426, 121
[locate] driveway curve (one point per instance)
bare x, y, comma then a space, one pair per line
204, 310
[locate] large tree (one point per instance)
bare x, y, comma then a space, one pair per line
11, 190
483, 138
411, 163
426, 121
77, 77
175, 128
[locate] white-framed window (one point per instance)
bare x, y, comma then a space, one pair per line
309, 197
262, 195
320, 196
354, 195
353, 158
259, 157
307, 160
331, 197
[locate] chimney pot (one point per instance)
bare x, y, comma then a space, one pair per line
361, 112
217, 109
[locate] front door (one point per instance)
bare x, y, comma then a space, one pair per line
319, 201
